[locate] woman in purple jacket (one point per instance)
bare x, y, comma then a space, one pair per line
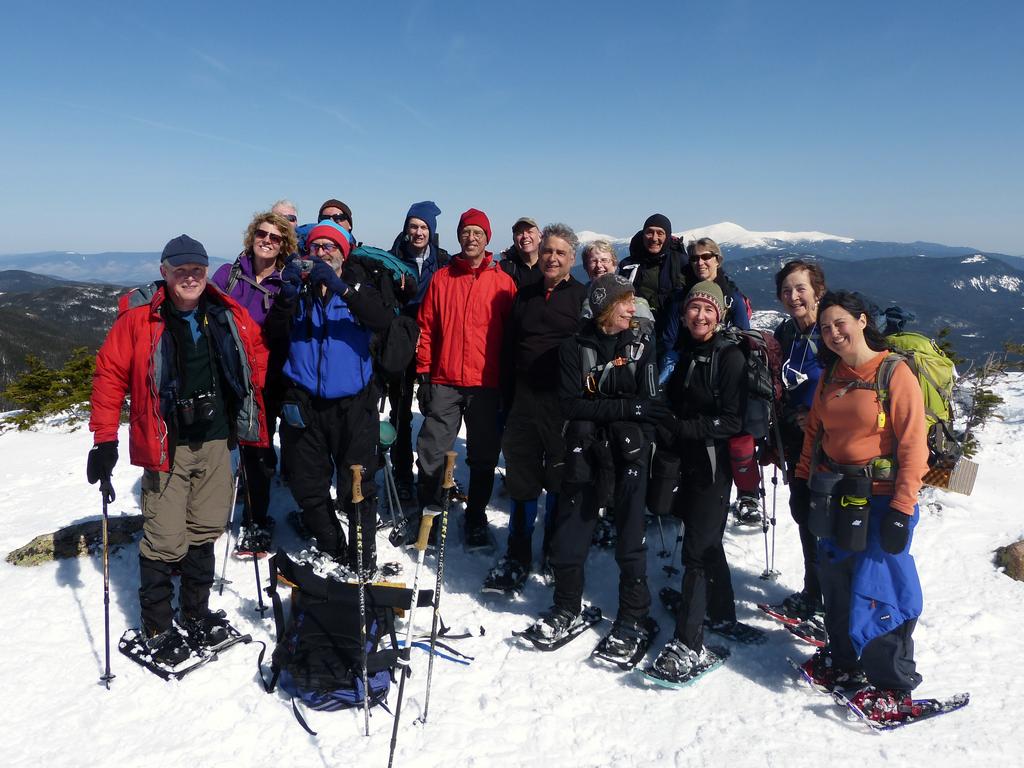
254, 281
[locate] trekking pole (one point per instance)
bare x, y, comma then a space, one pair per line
769, 574
107, 494
661, 532
446, 484
357, 510
403, 657
227, 529
262, 609
670, 569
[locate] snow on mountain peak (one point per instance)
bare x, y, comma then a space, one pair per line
728, 233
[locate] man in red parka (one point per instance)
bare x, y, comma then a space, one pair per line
185, 354
458, 360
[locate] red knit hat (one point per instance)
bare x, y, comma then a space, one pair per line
475, 218
328, 230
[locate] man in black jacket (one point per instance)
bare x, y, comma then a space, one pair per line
521, 260
417, 246
655, 266
545, 313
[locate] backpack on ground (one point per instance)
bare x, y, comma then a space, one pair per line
318, 659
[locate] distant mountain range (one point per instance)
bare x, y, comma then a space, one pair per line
52, 302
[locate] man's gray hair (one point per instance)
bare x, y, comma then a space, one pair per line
562, 231
285, 203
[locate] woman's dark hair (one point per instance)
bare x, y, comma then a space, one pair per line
814, 272
856, 305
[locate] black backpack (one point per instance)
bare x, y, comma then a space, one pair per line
318, 658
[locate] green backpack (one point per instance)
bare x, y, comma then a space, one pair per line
936, 375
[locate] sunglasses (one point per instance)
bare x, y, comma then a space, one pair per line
262, 234
703, 257
337, 218
325, 247
291, 217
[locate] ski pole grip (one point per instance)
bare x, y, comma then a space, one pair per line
449, 470
425, 522
357, 483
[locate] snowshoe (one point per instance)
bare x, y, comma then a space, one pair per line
627, 643
746, 510
678, 666
794, 609
885, 710
737, 631
557, 627
811, 631
507, 577
208, 629
157, 653
479, 538
254, 540
605, 534
820, 673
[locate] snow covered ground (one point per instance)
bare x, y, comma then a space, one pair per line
513, 706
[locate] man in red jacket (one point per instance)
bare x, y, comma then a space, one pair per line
185, 353
458, 361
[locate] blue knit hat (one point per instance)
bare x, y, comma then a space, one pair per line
184, 250
425, 211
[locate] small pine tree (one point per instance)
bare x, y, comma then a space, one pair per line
41, 391
944, 341
982, 402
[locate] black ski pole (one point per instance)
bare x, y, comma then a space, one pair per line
357, 510
661, 532
108, 496
227, 528
261, 609
446, 484
403, 657
670, 569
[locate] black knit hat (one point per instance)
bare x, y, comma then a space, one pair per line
332, 203
659, 220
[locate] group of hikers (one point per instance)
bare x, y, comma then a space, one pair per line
578, 385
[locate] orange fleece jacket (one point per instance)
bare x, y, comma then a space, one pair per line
850, 419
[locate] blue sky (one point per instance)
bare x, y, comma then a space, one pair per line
125, 124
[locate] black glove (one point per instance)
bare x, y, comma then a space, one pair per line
291, 280
895, 532
102, 459
423, 393
646, 411
323, 273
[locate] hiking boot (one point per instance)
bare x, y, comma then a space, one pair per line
800, 606
255, 539
821, 669
884, 705
624, 640
677, 662
747, 510
553, 625
477, 536
508, 575
406, 490
605, 534
205, 629
167, 647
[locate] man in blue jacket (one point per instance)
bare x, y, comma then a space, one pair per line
329, 407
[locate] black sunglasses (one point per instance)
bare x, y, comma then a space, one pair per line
262, 234
291, 217
337, 218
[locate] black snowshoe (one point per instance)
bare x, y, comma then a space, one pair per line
627, 643
736, 631
507, 577
170, 655
557, 627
